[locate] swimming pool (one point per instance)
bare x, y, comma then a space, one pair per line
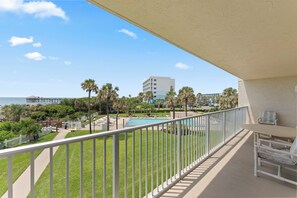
142, 121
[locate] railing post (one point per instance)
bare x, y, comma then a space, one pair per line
234, 121
207, 134
224, 126
115, 167
179, 149
20, 141
244, 113
10, 180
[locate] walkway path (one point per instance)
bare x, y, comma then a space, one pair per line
21, 187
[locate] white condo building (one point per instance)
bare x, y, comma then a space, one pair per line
160, 86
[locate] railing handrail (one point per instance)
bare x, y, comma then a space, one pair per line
23, 149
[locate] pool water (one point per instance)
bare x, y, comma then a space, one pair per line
143, 121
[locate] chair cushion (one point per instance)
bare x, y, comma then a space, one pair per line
293, 151
281, 158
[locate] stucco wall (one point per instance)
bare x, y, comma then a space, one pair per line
275, 94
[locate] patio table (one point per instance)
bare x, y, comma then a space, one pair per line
273, 130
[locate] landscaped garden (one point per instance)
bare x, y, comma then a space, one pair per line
20, 163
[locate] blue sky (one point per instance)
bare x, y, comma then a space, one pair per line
48, 48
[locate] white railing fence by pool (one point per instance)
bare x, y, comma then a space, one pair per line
22, 139
142, 161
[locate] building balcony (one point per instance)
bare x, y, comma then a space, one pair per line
144, 161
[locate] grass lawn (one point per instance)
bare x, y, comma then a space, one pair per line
20, 163
42, 186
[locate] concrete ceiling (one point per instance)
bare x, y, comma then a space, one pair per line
252, 39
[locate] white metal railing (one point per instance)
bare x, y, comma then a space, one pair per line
146, 160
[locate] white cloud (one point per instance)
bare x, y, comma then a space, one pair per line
34, 56
37, 44
67, 62
44, 9
10, 5
182, 66
128, 33
39, 9
14, 41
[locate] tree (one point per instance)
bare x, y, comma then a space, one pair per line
130, 105
215, 99
89, 86
29, 127
109, 95
80, 104
229, 98
118, 106
199, 99
141, 96
14, 112
148, 96
171, 100
186, 95
148, 108
159, 102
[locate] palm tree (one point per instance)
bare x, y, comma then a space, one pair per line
148, 96
130, 105
140, 96
186, 95
89, 86
108, 94
229, 98
99, 100
14, 112
199, 99
171, 100
118, 106
159, 102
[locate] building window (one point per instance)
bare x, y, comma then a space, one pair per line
155, 92
155, 96
155, 83
155, 79
155, 87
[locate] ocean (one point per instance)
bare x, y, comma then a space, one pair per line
18, 100
12, 100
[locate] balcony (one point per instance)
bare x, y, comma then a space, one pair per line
229, 173
132, 162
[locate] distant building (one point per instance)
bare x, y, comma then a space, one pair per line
211, 99
211, 95
159, 86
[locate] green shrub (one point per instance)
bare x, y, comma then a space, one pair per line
6, 135
5, 126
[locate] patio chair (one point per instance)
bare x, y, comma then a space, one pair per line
278, 157
268, 117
